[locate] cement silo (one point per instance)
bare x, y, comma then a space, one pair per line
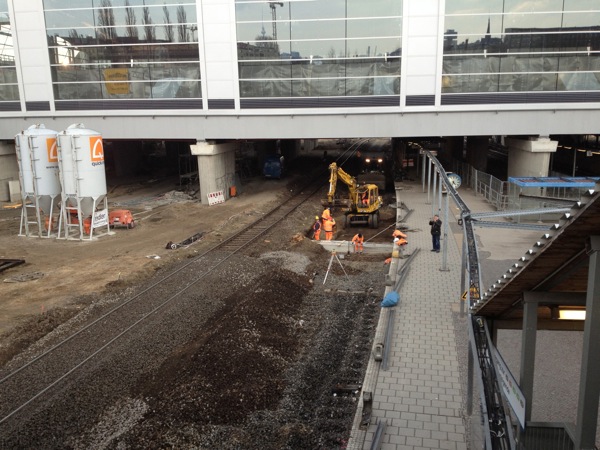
84, 205
40, 182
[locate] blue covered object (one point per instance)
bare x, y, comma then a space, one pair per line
391, 299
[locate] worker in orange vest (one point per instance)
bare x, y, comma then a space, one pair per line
326, 214
401, 241
317, 229
328, 225
358, 240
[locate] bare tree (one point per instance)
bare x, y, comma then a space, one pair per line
106, 22
169, 33
130, 20
182, 31
147, 21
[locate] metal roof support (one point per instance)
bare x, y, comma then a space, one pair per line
589, 385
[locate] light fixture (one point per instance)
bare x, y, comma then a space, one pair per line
367, 160
571, 314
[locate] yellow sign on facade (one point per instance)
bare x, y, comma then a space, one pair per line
116, 81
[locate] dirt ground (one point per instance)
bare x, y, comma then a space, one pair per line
73, 268
52, 285
250, 360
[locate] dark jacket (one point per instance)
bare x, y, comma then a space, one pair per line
436, 226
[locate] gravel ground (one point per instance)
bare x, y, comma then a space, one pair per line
261, 354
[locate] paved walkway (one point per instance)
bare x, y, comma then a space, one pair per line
419, 397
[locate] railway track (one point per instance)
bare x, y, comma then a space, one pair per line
29, 384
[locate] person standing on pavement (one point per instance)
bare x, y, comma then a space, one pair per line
328, 225
317, 229
436, 231
358, 240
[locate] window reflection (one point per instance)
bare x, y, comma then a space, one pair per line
319, 48
136, 49
525, 47
8, 73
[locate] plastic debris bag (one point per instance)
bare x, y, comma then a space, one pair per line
391, 299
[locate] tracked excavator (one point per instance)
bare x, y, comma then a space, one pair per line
361, 206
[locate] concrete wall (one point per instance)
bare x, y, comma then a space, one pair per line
9, 169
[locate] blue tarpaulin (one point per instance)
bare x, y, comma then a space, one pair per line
391, 299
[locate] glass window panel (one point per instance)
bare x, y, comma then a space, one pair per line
537, 6
59, 4
473, 6
380, 8
70, 19
579, 81
379, 47
262, 50
374, 27
265, 70
586, 20
124, 54
471, 64
3, 5
255, 31
318, 29
470, 83
581, 5
318, 9
8, 75
537, 21
262, 88
476, 27
261, 12
9, 92
319, 49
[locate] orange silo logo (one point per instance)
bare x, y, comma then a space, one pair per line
52, 150
96, 149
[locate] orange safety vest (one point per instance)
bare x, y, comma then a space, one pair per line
328, 224
358, 240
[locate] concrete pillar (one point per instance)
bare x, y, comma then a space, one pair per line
477, 152
309, 145
529, 157
9, 169
216, 168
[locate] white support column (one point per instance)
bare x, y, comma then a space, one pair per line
216, 168
529, 158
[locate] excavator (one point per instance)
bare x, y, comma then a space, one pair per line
362, 205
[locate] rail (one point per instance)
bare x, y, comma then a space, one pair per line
114, 324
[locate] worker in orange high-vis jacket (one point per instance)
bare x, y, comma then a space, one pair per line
328, 225
317, 229
358, 240
401, 241
326, 214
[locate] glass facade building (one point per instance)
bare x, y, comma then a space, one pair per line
9, 89
264, 54
516, 46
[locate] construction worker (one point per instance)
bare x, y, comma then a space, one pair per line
401, 241
358, 240
326, 214
328, 225
317, 229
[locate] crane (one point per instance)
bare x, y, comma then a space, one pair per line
273, 5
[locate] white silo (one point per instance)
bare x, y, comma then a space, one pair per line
40, 182
84, 205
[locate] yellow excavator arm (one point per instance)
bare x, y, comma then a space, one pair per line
335, 173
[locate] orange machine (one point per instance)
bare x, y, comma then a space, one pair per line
121, 217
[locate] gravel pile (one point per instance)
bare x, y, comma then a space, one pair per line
260, 354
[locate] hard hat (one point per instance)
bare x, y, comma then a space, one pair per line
317, 217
